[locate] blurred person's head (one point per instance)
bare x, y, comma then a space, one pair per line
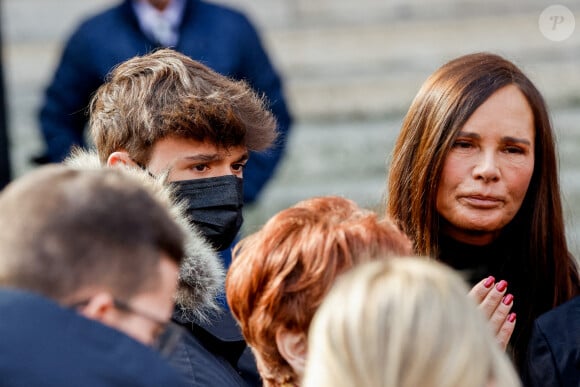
280, 274
96, 240
403, 322
167, 113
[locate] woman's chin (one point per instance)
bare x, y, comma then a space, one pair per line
476, 233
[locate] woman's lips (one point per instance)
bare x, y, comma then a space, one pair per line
482, 201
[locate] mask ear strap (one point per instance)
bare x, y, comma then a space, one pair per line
148, 172
163, 176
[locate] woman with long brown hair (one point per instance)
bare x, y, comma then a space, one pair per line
474, 183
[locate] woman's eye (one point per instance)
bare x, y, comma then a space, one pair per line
238, 167
462, 144
514, 149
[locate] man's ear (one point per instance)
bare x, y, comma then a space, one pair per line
98, 307
293, 348
120, 158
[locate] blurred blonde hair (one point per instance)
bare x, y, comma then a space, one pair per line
405, 323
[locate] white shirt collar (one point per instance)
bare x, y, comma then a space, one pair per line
150, 17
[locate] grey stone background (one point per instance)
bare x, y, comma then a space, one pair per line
351, 70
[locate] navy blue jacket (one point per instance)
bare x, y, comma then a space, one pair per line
43, 344
554, 350
214, 354
219, 37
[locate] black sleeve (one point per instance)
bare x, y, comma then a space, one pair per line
541, 369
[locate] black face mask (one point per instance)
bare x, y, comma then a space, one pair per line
214, 206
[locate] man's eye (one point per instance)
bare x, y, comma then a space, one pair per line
199, 167
238, 167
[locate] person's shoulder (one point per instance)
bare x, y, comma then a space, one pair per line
563, 313
202, 364
47, 335
102, 40
553, 357
19, 304
561, 325
102, 19
223, 12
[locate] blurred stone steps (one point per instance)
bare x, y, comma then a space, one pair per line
351, 69
377, 69
342, 59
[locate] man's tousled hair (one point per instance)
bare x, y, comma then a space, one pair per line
167, 94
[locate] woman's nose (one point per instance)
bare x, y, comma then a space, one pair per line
486, 168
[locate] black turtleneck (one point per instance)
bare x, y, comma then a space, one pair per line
478, 262
504, 259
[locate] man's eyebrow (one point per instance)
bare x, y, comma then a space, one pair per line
244, 157
204, 157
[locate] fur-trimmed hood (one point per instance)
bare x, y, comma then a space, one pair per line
201, 276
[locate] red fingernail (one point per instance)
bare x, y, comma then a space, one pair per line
489, 281
512, 317
501, 286
508, 299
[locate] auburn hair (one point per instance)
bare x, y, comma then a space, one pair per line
280, 274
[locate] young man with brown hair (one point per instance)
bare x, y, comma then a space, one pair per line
179, 120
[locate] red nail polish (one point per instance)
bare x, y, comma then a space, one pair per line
512, 317
489, 282
508, 299
501, 286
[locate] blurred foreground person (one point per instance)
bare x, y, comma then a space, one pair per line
280, 274
89, 264
403, 322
